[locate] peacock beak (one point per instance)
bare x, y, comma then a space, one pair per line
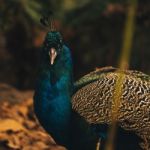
52, 54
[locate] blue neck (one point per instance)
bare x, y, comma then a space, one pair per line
52, 100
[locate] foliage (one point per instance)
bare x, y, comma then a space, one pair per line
93, 30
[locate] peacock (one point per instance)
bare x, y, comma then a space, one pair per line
78, 114
93, 101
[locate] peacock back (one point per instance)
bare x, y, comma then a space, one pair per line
94, 99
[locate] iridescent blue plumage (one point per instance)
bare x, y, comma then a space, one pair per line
53, 90
52, 99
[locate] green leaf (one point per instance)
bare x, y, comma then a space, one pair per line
35, 5
35, 15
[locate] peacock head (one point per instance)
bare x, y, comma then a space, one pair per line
53, 43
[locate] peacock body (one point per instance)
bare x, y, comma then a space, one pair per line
94, 101
52, 98
71, 123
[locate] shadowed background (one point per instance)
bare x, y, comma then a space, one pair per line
93, 29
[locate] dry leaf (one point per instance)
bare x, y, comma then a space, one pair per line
10, 124
19, 129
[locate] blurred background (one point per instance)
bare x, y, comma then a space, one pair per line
93, 29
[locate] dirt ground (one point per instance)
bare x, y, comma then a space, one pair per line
19, 129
